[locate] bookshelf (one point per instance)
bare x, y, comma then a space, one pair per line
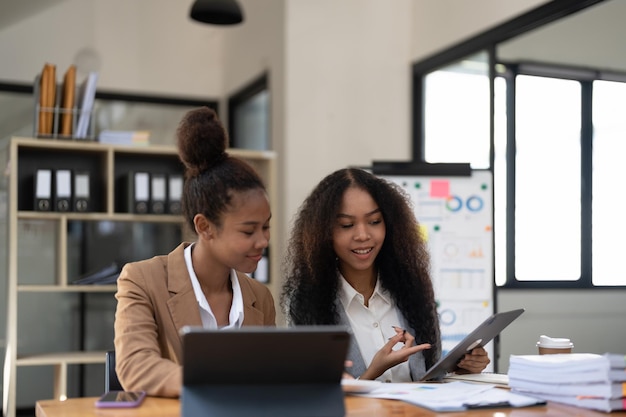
106, 166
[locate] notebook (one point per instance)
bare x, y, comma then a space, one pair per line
264, 371
480, 336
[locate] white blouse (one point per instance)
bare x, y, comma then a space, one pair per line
372, 325
235, 318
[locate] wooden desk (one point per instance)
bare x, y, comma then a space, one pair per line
355, 407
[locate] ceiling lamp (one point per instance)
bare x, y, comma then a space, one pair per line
217, 12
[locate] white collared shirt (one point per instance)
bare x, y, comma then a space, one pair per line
235, 317
372, 325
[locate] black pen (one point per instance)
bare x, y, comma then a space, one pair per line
499, 404
399, 328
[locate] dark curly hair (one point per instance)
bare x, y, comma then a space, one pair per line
310, 289
211, 174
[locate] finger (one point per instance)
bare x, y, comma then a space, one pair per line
410, 350
478, 351
393, 340
409, 340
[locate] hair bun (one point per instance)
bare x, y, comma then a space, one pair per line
202, 140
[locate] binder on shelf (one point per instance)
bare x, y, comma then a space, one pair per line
174, 193
134, 194
81, 191
63, 190
43, 189
68, 101
158, 193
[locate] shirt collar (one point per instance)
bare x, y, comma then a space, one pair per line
235, 316
347, 293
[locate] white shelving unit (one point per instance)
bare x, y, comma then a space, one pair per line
106, 163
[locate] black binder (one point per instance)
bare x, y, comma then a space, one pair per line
158, 193
134, 193
43, 190
81, 191
174, 193
63, 190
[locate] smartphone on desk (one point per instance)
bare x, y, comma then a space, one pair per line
120, 399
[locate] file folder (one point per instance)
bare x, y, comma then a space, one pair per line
158, 193
81, 191
174, 193
67, 109
63, 190
43, 189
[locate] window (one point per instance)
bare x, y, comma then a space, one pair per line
249, 116
547, 179
558, 145
456, 119
609, 148
556, 139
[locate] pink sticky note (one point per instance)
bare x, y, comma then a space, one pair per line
440, 188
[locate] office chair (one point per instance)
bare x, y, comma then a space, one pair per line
111, 383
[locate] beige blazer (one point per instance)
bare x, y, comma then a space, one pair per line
155, 299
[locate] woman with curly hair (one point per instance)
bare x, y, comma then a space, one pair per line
356, 257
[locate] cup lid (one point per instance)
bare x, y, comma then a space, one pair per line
554, 342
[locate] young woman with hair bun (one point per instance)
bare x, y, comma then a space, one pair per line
200, 283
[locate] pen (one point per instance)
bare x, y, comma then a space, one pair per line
499, 404
398, 328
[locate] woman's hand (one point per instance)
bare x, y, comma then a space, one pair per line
387, 357
346, 375
473, 362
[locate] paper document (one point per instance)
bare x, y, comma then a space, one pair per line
452, 396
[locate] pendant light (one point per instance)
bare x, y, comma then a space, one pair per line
217, 12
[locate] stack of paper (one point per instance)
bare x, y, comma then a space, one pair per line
582, 379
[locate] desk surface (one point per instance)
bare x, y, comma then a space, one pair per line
355, 407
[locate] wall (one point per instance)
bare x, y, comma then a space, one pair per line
440, 24
347, 94
138, 46
254, 49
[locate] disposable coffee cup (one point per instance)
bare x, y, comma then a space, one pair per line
548, 345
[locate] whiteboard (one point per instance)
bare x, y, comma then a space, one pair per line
456, 219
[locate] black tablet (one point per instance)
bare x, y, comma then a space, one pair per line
480, 336
258, 354
264, 371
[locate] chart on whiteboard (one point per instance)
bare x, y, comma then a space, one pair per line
456, 219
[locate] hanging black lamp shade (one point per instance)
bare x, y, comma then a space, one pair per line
217, 12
